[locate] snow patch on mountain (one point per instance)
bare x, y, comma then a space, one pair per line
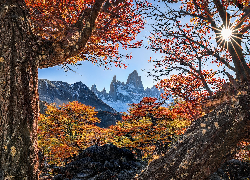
122, 94
61, 92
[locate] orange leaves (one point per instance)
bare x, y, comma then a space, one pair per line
69, 9
191, 88
243, 152
146, 125
63, 132
119, 23
183, 86
191, 41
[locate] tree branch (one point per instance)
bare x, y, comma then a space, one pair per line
55, 53
225, 17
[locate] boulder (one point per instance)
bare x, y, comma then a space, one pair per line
99, 163
232, 169
112, 163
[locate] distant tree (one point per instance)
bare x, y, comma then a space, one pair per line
149, 128
64, 131
44, 33
188, 47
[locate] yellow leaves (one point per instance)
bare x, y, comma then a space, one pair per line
51, 108
244, 2
60, 129
60, 15
65, 130
203, 125
204, 131
243, 152
216, 124
137, 129
13, 151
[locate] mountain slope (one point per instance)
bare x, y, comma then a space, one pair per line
61, 92
121, 94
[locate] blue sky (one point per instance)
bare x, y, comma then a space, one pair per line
90, 74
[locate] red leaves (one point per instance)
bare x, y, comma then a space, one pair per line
189, 48
118, 24
148, 124
189, 89
63, 132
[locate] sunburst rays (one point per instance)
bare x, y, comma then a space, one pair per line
228, 33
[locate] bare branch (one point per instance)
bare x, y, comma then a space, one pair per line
225, 17
242, 19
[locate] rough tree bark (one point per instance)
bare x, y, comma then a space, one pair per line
19, 95
210, 141
21, 54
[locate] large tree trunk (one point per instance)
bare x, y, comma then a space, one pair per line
210, 141
18, 94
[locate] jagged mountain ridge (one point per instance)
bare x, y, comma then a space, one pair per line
107, 104
61, 92
121, 94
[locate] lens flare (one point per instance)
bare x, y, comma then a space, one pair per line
226, 34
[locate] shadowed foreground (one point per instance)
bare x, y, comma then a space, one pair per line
210, 141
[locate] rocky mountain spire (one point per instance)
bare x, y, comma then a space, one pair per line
121, 94
135, 80
104, 91
61, 92
94, 89
112, 91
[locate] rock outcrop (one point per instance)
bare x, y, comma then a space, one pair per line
61, 92
207, 143
112, 163
113, 89
135, 80
232, 169
99, 163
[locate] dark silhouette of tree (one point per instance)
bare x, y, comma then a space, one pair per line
44, 33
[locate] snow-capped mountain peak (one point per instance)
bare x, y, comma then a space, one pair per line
121, 94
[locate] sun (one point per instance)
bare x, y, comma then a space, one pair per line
226, 34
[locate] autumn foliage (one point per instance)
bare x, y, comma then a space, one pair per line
199, 62
196, 58
44, 33
47, 33
65, 130
149, 127
147, 130
117, 25
187, 49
